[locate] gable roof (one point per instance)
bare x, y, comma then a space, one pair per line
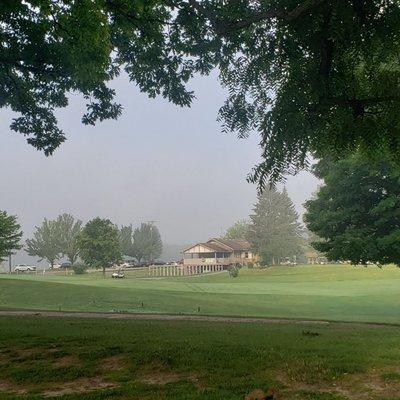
232, 244
211, 246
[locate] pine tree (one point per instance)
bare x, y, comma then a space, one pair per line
274, 230
10, 235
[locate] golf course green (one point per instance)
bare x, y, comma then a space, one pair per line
327, 292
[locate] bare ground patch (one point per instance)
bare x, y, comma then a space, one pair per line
10, 387
371, 385
27, 353
114, 363
81, 385
66, 361
163, 375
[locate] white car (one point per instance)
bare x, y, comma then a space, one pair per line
24, 268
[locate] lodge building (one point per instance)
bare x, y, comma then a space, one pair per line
219, 252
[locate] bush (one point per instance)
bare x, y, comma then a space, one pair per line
233, 272
79, 268
250, 265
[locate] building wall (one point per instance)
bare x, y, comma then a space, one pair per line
239, 257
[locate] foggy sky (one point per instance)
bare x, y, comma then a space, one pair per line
157, 162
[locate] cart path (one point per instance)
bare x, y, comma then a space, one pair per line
183, 317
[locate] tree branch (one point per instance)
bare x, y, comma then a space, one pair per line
224, 27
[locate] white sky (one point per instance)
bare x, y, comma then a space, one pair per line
157, 162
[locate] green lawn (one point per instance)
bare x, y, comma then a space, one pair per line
90, 359
344, 293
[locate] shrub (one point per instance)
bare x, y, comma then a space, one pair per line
79, 268
233, 272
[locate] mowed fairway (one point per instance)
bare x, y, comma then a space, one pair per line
333, 292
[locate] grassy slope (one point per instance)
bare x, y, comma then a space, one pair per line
316, 292
227, 360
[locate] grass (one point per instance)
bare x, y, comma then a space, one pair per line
173, 360
343, 293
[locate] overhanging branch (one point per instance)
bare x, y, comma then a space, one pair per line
224, 27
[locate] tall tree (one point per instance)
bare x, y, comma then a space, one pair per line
147, 243
10, 235
356, 212
99, 244
45, 243
274, 230
309, 75
69, 230
239, 230
126, 241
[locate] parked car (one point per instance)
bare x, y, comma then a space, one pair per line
118, 275
65, 265
123, 265
24, 268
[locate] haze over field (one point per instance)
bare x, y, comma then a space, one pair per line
157, 162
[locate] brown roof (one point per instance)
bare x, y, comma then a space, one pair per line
232, 244
215, 246
211, 246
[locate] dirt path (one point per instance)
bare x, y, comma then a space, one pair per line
171, 317
156, 317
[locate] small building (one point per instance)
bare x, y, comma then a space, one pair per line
219, 252
315, 258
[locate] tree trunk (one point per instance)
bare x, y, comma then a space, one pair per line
104, 271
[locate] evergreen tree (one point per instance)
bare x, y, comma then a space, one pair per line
45, 243
274, 230
147, 243
99, 244
10, 235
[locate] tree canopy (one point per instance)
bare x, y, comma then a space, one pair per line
99, 244
45, 243
275, 232
356, 212
10, 235
239, 230
147, 243
310, 75
68, 231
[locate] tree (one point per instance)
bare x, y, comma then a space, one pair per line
309, 75
45, 243
357, 211
147, 243
239, 230
68, 231
99, 244
126, 241
10, 235
274, 230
